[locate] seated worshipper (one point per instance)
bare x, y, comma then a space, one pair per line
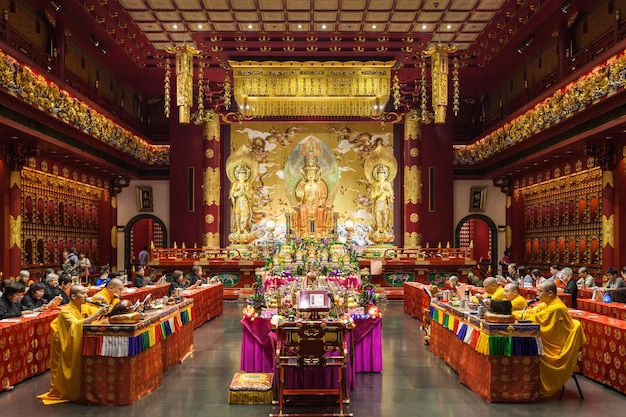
65, 284
103, 279
109, 295
452, 283
66, 349
555, 274
561, 336
492, 289
196, 275
24, 278
613, 280
536, 273
10, 305
33, 300
178, 281
513, 273
52, 289
585, 280
511, 292
526, 279
82, 265
141, 280
570, 284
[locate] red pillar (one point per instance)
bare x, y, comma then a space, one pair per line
211, 180
412, 180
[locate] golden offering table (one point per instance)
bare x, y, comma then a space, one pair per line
498, 361
123, 362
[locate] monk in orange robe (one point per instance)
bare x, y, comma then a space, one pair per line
66, 349
561, 336
511, 292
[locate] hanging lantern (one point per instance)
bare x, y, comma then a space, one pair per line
184, 80
439, 74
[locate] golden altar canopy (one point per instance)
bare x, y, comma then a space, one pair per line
311, 88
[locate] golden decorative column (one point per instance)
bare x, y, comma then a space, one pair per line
412, 180
211, 179
184, 80
439, 73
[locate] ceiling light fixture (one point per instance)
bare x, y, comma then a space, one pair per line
565, 7
323, 26
56, 5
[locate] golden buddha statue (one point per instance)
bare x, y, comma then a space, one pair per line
241, 168
381, 169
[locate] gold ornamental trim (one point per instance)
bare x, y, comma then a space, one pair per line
413, 125
559, 183
608, 179
211, 240
15, 232
211, 186
412, 239
32, 176
412, 184
15, 179
508, 237
114, 237
114, 202
312, 88
608, 231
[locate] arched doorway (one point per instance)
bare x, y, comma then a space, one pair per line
481, 230
141, 231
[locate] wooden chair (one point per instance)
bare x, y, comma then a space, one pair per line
311, 344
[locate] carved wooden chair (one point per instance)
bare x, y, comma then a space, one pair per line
309, 344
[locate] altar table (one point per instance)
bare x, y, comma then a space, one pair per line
499, 362
24, 347
123, 362
612, 309
208, 302
134, 294
416, 299
604, 355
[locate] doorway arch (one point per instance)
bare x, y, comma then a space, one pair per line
493, 232
128, 234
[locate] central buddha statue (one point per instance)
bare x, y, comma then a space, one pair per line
311, 176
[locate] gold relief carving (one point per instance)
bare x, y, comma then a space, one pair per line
75, 175
414, 152
59, 183
579, 166
210, 125
15, 179
330, 88
32, 162
508, 201
113, 201
608, 231
607, 179
591, 162
209, 153
211, 240
568, 169
412, 239
15, 232
211, 186
114, 237
555, 185
65, 172
412, 184
83, 177
412, 126
55, 169
44, 166
508, 236
209, 218
414, 217
105, 195
604, 80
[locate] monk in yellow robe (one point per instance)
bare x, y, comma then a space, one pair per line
562, 338
511, 292
109, 295
66, 349
492, 289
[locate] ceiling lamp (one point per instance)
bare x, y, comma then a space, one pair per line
312, 88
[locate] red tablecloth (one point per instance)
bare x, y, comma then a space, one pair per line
530, 293
24, 347
208, 302
613, 310
416, 299
604, 355
133, 294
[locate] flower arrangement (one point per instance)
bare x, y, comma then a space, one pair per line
257, 299
368, 296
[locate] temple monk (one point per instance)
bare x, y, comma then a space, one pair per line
492, 289
66, 349
109, 295
562, 338
511, 292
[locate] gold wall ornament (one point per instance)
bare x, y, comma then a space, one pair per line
312, 88
211, 186
210, 124
414, 217
508, 237
15, 179
608, 231
114, 237
508, 201
608, 179
413, 125
209, 218
184, 79
412, 239
439, 74
15, 232
412, 184
211, 240
114, 202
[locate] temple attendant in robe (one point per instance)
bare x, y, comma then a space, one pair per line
109, 295
492, 289
561, 336
511, 292
66, 349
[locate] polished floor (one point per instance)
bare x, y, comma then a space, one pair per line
413, 383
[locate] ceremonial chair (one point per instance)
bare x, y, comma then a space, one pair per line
306, 345
577, 329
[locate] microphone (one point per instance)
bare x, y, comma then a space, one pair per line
94, 302
533, 301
